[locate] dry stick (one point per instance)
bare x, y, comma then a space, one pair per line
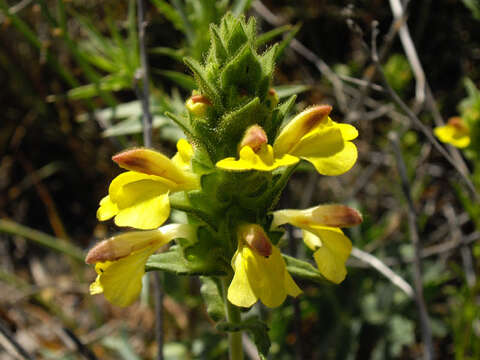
82, 349
8, 338
410, 51
142, 74
413, 230
413, 118
464, 249
384, 270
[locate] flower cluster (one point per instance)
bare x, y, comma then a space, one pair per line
228, 178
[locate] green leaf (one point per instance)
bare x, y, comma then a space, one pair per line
203, 83
176, 54
174, 261
286, 41
284, 91
181, 79
270, 35
170, 13
303, 269
211, 291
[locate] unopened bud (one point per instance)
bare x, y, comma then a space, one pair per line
122, 245
272, 98
323, 215
198, 104
254, 236
149, 162
254, 137
458, 123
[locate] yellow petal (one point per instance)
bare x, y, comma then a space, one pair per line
349, 132
299, 126
116, 188
96, 287
184, 154
332, 249
107, 209
121, 280
453, 135
240, 293
264, 160
337, 163
147, 212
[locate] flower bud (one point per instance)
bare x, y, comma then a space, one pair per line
272, 98
254, 236
333, 215
254, 137
458, 123
198, 104
122, 245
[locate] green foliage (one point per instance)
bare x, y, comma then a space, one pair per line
398, 73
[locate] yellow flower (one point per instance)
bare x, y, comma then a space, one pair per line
314, 137
139, 198
256, 154
260, 271
456, 133
322, 234
120, 261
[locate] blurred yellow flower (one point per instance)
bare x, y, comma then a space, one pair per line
139, 198
260, 271
120, 261
456, 133
322, 234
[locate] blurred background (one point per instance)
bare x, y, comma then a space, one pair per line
68, 103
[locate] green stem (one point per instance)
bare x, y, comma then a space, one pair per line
48, 241
233, 316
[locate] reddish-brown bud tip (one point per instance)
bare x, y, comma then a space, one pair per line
254, 137
200, 99
255, 237
101, 252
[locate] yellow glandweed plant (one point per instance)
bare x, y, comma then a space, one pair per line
227, 176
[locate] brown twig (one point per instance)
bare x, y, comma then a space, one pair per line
143, 74
414, 237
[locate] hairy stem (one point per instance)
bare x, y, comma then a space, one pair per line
235, 348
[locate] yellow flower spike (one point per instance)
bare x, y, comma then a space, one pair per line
321, 233
255, 154
258, 276
198, 105
314, 137
120, 261
456, 133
